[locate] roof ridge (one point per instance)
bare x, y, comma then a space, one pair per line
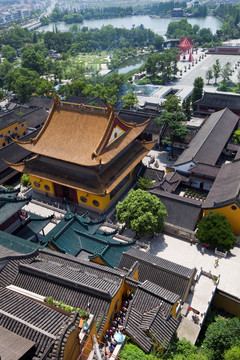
24, 322
60, 279
209, 132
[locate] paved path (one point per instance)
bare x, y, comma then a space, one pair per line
183, 253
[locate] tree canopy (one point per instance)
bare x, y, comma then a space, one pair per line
215, 230
141, 212
197, 89
173, 117
236, 136
220, 336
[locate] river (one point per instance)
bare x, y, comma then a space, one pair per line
158, 25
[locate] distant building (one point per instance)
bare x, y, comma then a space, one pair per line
177, 12
224, 195
211, 102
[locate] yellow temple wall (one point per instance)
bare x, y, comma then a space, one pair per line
103, 200
116, 305
44, 185
233, 216
83, 198
20, 130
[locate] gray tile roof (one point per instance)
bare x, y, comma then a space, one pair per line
14, 153
166, 274
43, 102
149, 314
225, 189
139, 117
182, 212
35, 118
209, 142
221, 101
76, 282
32, 320
204, 169
13, 346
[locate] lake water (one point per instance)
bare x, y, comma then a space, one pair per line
158, 25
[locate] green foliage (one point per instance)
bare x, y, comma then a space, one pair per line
209, 75
49, 300
172, 104
226, 72
215, 230
197, 89
186, 107
221, 336
9, 53
144, 183
129, 100
25, 180
162, 64
236, 136
142, 212
173, 120
216, 70
233, 353
32, 60
132, 352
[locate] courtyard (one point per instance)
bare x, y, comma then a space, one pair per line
196, 255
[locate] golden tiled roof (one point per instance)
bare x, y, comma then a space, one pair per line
83, 135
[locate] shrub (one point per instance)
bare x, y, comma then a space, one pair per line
25, 180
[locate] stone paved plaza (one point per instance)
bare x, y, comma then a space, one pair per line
196, 255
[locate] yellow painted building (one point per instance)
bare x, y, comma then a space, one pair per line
84, 154
224, 195
9, 129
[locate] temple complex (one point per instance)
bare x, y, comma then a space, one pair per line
84, 154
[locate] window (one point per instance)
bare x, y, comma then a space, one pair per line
95, 203
233, 207
36, 184
4, 144
9, 132
83, 199
24, 133
16, 128
47, 188
22, 125
1, 136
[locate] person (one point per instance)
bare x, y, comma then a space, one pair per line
216, 262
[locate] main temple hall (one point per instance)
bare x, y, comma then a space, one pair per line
84, 154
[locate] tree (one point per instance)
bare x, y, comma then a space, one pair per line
9, 53
216, 70
236, 136
25, 180
220, 336
32, 60
186, 107
144, 183
129, 100
233, 353
132, 352
209, 75
197, 90
172, 104
215, 230
226, 72
141, 212
172, 120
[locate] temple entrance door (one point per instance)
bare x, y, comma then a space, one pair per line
58, 190
66, 193
72, 195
